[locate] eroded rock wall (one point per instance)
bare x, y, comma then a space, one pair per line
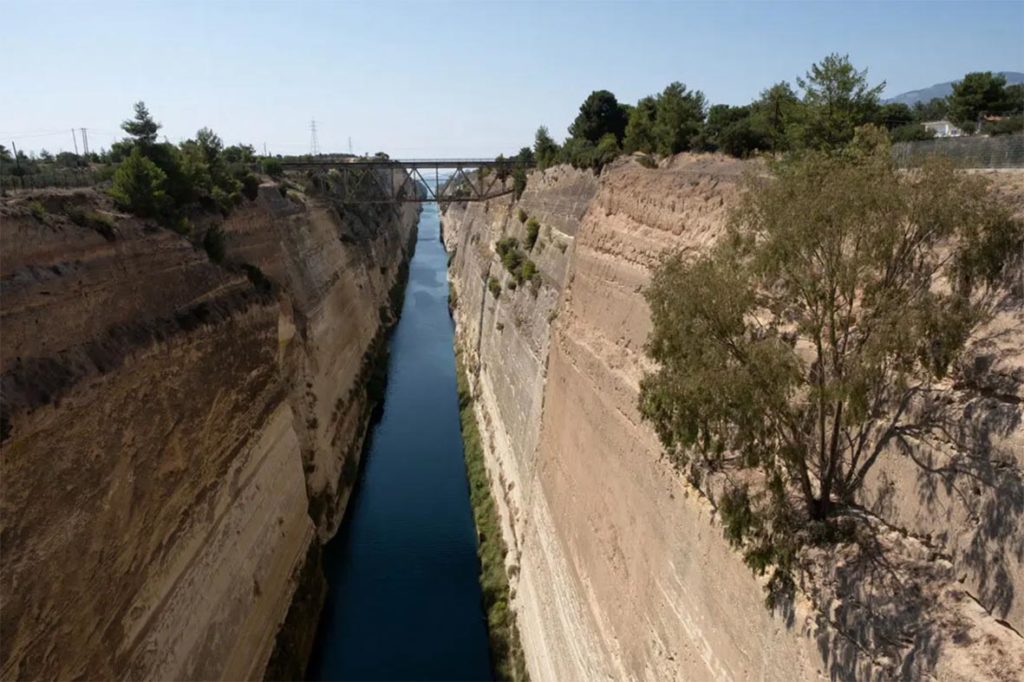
177, 433
619, 567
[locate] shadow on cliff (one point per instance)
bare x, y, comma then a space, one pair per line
885, 605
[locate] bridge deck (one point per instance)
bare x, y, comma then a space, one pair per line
439, 164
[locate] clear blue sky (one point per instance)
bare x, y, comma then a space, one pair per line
446, 78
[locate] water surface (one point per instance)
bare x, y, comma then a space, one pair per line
404, 602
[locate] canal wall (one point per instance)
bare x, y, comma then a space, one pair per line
179, 435
618, 566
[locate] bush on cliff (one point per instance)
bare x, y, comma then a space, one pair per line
164, 181
139, 186
532, 230
810, 343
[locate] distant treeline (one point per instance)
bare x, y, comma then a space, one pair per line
829, 103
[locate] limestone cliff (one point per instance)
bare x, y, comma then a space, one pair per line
177, 433
619, 568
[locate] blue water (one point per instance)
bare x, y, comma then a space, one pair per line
404, 599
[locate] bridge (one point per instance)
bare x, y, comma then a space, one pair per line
462, 179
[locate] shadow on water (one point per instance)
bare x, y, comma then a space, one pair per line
404, 602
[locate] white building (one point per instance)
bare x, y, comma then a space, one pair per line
943, 128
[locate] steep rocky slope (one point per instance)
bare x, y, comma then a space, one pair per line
178, 433
619, 567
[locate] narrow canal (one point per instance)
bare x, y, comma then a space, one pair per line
404, 600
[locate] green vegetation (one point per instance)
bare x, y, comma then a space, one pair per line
979, 94
506, 649
532, 230
521, 215
273, 168
168, 182
494, 286
600, 115
140, 186
37, 210
515, 261
213, 243
834, 254
831, 101
101, 223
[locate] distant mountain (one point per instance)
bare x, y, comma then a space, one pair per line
944, 90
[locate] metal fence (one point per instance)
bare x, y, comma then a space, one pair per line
60, 178
1002, 151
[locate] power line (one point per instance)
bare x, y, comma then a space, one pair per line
85, 142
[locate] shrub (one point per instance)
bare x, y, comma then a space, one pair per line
494, 286
37, 210
646, 161
273, 168
532, 230
518, 182
259, 281
528, 271
521, 214
93, 220
250, 186
139, 186
214, 243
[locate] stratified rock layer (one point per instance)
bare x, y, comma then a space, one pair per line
176, 434
619, 567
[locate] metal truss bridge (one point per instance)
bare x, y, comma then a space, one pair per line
375, 181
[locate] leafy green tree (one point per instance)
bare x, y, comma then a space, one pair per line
838, 99
935, 109
139, 186
894, 115
545, 149
738, 131
142, 128
814, 337
640, 129
240, 153
1015, 98
525, 157
978, 94
679, 116
600, 115
780, 110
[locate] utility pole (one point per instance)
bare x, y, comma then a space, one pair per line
264, 149
314, 145
85, 142
349, 144
75, 140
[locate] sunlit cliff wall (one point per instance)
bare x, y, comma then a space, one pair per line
179, 435
619, 566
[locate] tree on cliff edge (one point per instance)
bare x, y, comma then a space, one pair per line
142, 128
810, 343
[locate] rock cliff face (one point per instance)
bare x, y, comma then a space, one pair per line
178, 435
619, 568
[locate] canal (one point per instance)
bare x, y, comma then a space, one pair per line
404, 601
